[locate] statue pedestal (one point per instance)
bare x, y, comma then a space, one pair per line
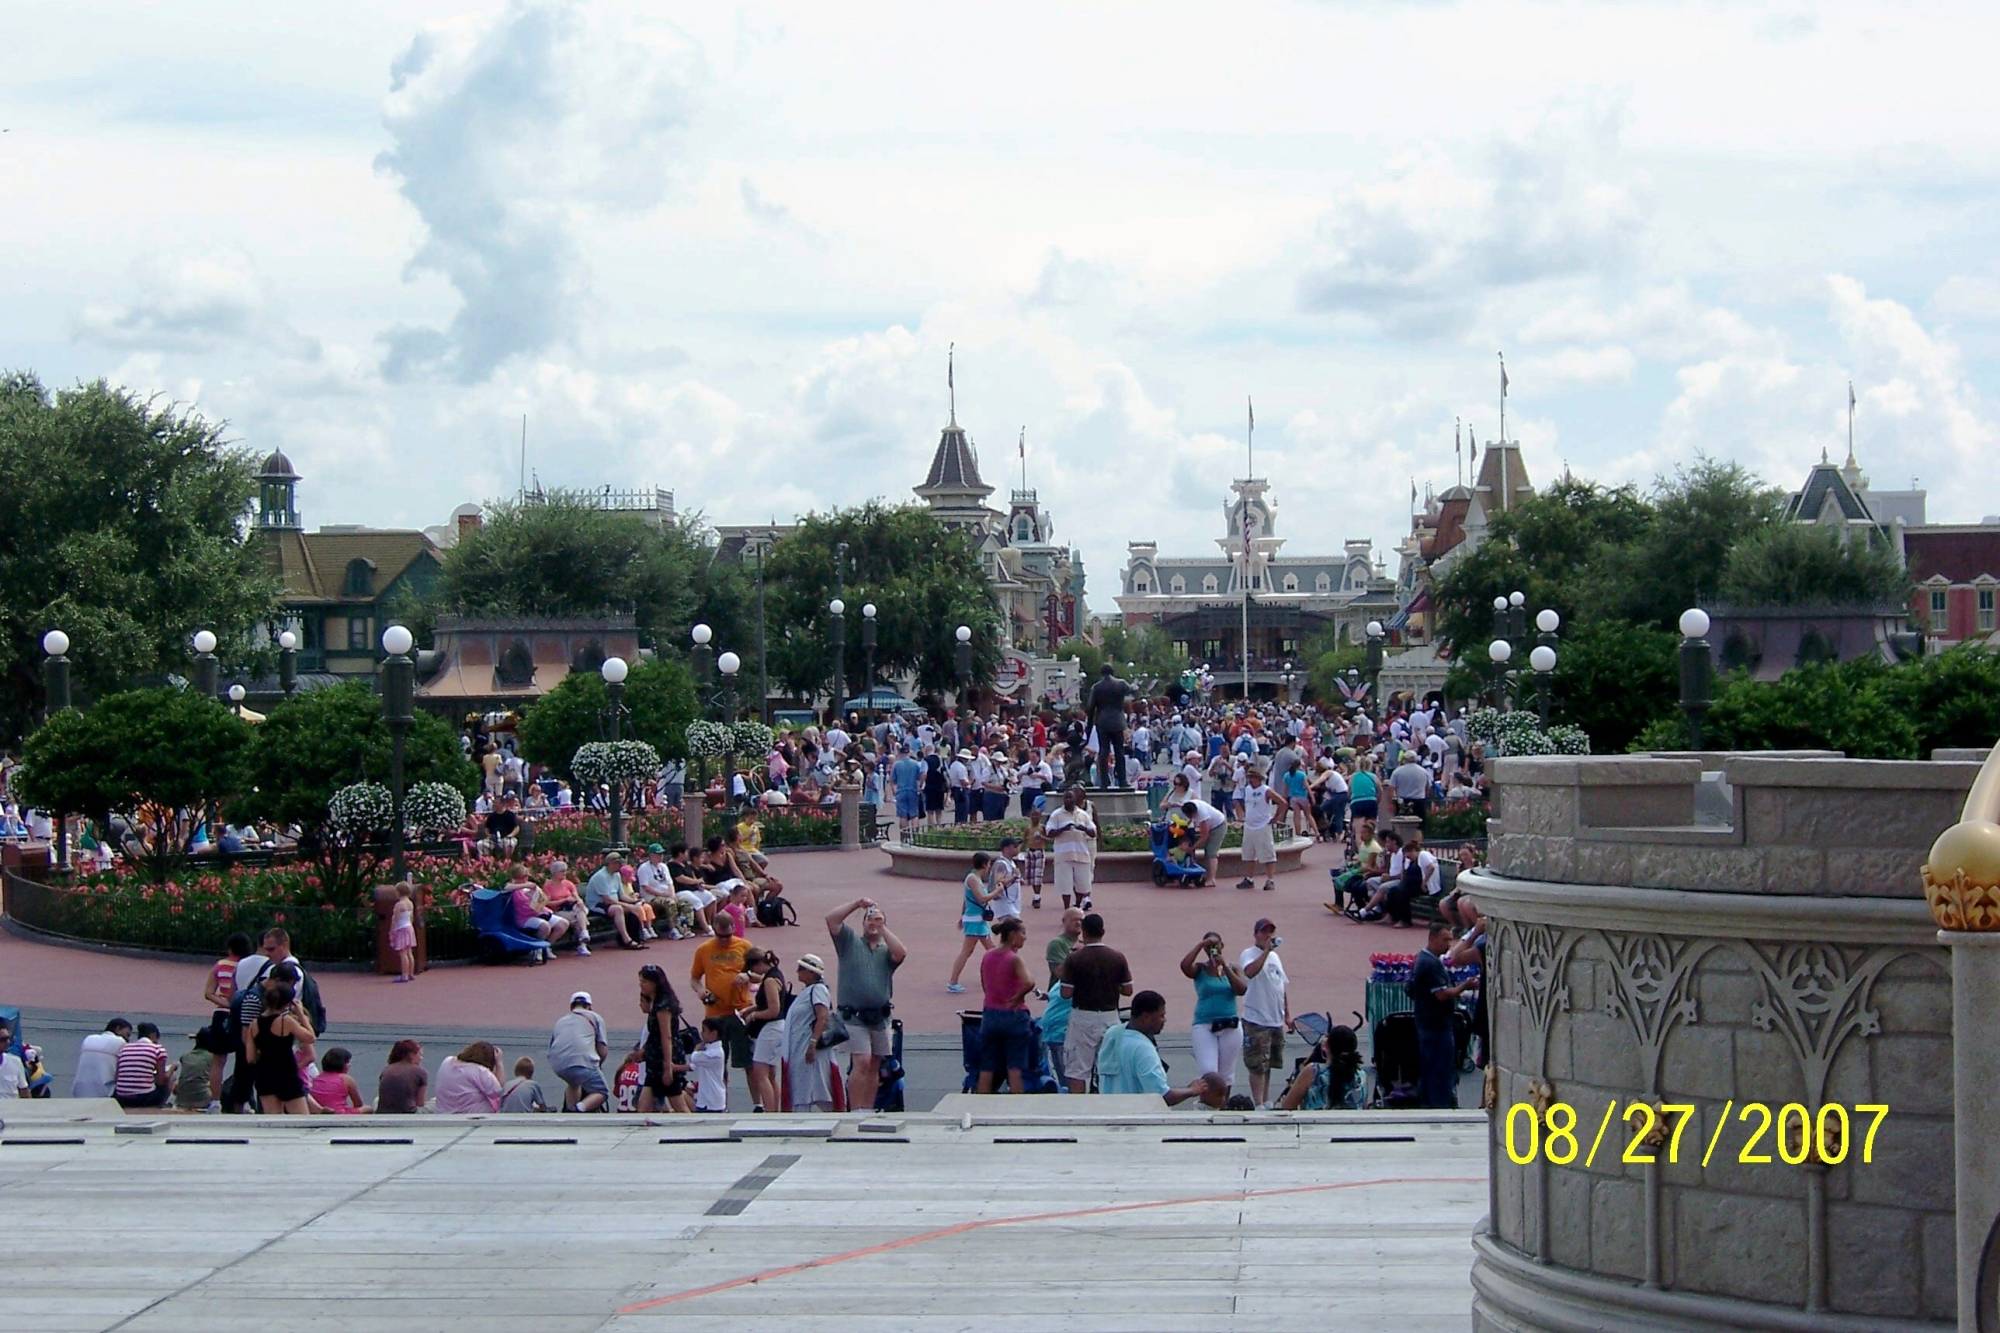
1120, 804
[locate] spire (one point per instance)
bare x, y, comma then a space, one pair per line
950, 380
1850, 425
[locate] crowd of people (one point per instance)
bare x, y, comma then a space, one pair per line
1272, 770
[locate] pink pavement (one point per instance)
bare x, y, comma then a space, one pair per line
1326, 956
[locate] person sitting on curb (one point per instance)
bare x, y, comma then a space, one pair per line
1128, 1060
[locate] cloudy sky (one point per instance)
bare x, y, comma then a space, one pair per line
726, 254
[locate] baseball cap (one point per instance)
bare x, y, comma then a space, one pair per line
581, 997
654, 847
1263, 923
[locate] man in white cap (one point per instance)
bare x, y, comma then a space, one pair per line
577, 1049
959, 778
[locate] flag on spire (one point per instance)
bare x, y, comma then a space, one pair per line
1503, 374
950, 382
1850, 395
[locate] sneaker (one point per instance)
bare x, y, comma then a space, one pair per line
583, 951
1245, 884
1038, 901
954, 988
675, 935
1269, 885
648, 934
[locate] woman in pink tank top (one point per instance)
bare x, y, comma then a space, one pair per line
1006, 1037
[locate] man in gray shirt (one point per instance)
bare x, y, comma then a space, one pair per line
577, 1049
868, 964
1412, 784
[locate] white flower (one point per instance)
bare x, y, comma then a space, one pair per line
708, 740
433, 807
614, 761
361, 809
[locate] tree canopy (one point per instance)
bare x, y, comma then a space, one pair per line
659, 695
312, 745
167, 750
1147, 648
923, 578
124, 526
1800, 564
564, 555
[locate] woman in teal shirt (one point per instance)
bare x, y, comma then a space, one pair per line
1362, 791
1218, 1030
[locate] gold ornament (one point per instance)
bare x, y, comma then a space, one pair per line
1962, 875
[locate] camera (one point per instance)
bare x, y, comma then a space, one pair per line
1277, 941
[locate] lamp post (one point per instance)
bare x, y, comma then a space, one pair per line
1697, 671
1548, 622
399, 684
1375, 666
838, 610
729, 664
1543, 659
1517, 615
614, 672
1498, 652
207, 671
55, 684
868, 657
288, 663
963, 660
1288, 675
236, 696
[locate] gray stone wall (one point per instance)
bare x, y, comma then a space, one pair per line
1785, 958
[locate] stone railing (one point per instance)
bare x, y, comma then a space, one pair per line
1720, 931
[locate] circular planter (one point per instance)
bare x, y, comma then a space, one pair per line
1112, 867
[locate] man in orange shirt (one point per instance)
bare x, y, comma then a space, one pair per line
718, 979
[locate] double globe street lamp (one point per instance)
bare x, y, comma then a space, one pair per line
1541, 658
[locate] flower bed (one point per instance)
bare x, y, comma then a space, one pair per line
1126, 837
574, 833
1456, 820
197, 912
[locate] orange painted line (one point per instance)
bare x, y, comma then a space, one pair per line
981, 1224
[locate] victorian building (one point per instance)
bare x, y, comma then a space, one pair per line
1451, 527
1037, 581
1200, 600
336, 585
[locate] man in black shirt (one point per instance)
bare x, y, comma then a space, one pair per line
1099, 978
1434, 998
503, 829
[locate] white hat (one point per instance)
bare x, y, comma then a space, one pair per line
581, 997
811, 963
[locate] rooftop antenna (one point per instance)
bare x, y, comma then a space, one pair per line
1850, 423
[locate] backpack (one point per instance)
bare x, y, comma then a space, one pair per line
308, 996
775, 911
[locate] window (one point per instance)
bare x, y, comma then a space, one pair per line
360, 577
1291, 583
1024, 531
1211, 650
1179, 584
1208, 583
1940, 618
1322, 583
1288, 647
1140, 585
1986, 608
516, 666
358, 638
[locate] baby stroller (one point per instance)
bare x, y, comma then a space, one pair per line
889, 1085
1397, 1068
39, 1081
1035, 1078
1167, 872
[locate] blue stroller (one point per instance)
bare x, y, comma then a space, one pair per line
889, 1091
1035, 1078
39, 1082
1167, 872
500, 939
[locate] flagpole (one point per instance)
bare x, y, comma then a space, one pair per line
1503, 398
1250, 475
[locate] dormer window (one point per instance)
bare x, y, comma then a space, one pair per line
1179, 584
360, 577
1322, 583
1291, 583
1208, 583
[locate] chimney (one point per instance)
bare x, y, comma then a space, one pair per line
470, 522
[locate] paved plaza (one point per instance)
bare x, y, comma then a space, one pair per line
1326, 956
970, 1218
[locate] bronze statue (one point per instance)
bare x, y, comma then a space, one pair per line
1107, 714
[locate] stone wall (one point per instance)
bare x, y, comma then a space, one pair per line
1783, 957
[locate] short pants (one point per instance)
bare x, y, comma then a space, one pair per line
1005, 1041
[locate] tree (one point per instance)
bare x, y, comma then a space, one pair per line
124, 526
1142, 652
659, 695
166, 753
1326, 658
1800, 564
923, 577
311, 746
563, 555
1613, 679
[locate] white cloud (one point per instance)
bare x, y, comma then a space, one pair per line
507, 138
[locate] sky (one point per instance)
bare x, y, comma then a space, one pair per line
724, 249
